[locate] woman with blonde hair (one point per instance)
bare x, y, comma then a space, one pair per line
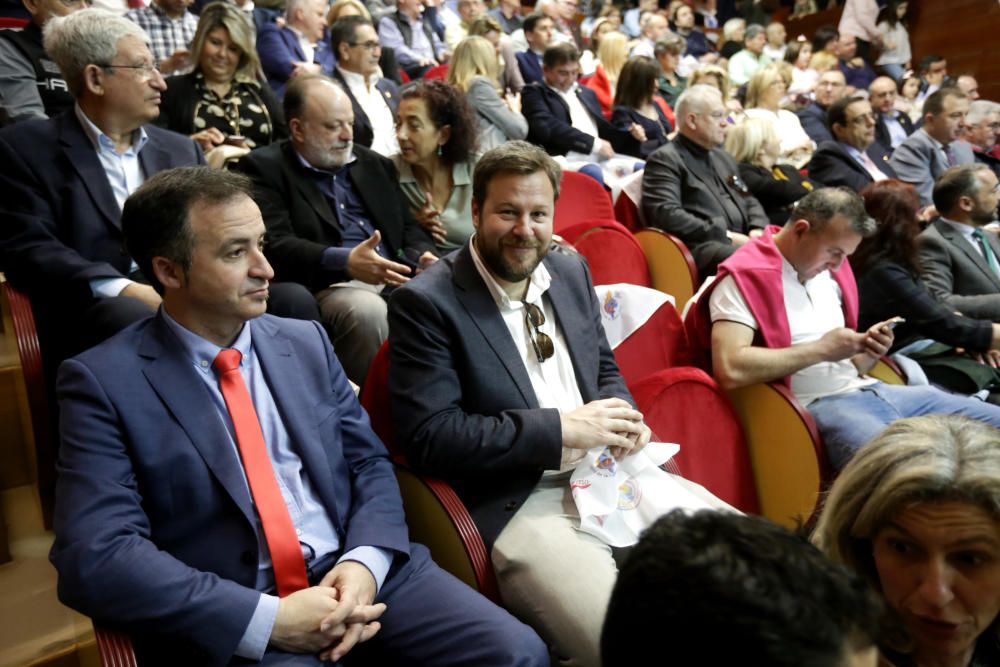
765, 91
755, 146
473, 71
612, 55
346, 8
224, 99
917, 513
715, 76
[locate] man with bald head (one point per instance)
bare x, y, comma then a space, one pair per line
968, 85
336, 219
831, 87
892, 127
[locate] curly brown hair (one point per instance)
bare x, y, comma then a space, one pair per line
446, 105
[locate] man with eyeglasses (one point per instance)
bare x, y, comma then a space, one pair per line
65, 180
854, 159
928, 152
982, 132
691, 188
374, 98
500, 378
31, 85
831, 87
337, 221
892, 127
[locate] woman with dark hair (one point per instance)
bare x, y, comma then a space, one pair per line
224, 99
437, 129
825, 39
888, 272
634, 105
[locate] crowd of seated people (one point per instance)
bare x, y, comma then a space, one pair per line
388, 152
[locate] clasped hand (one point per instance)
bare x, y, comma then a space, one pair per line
332, 618
609, 422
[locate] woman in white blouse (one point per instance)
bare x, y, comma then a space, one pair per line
765, 90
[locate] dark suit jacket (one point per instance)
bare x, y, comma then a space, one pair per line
832, 166
956, 273
531, 69
279, 50
462, 402
363, 132
813, 119
155, 529
301, 224
550, 126
681, 196
61, 222
882, 130
776, 195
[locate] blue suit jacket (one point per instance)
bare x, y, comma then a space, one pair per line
279, 50
61, 222
462, 401
813, 119
550, 126
833, 166
154, 523
531, 69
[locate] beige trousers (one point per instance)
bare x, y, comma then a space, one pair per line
556, 578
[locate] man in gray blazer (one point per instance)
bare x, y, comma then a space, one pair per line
692, 188
960, 260
928, 152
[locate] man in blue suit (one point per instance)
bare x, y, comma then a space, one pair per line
538, 34
564, 116
160, 525
296, 48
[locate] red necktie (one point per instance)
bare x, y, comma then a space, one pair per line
282, 540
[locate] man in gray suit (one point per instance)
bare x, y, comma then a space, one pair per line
960, 260
692, 188
928, 152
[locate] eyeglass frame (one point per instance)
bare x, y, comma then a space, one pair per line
147, 69
370, 45
534, 318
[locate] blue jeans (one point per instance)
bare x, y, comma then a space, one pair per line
848, 421
893, 70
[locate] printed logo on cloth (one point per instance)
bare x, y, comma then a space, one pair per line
612, 305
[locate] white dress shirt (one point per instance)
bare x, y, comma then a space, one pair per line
376, 107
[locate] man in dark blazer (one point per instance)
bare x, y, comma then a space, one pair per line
855, 159
337, 220
374, 99
546, 106
952, 254
830, 88
692, 188
538, 34
64, 181
892, 127
496, 352
297, 47
161, 524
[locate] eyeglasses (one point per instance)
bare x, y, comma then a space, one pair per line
534, 318
146, 70
367, 46
76, 3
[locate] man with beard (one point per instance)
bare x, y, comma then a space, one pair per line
501, 378
336, 219
959, 259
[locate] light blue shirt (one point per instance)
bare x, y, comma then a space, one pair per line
124, 175
897, 134
312, 522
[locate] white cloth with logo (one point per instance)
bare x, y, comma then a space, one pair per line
625, 308
617, 500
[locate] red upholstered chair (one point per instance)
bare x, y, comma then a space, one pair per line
435, 515
12, 22
686, 406
611, 250
580, 198
627, 213
659, 343
114, 648
437, 72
